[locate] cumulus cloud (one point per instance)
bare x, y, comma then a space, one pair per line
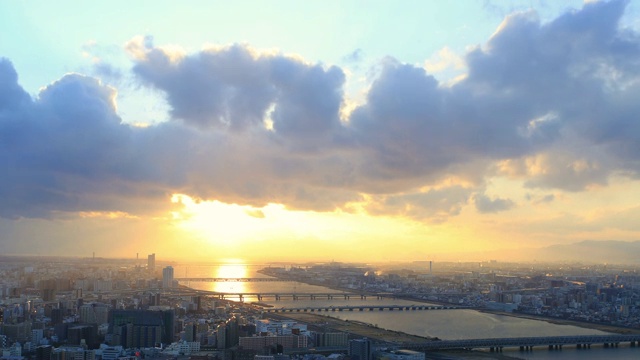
237, 87
435, 205
485, 204
553, 104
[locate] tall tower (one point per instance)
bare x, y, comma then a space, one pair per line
360, 349
167, 277
151, 262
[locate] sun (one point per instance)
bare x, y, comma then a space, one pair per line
220, 223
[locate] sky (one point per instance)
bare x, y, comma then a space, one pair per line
317, 130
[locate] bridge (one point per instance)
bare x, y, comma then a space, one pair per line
218, 279
527, 343
363, 308
297, 296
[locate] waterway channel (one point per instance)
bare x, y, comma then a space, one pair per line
444, 324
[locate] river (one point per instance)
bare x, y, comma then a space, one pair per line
444, 324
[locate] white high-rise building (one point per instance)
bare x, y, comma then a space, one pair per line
167, 277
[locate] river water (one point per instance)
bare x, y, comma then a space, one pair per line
444, 324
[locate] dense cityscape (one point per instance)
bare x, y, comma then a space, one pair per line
95, 308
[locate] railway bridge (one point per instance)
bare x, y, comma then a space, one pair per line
527, 343
364, 308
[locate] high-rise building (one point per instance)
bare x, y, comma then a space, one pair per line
43, 352
167, 277
151, 262
87, 334
141, 328
57, 316
360, 349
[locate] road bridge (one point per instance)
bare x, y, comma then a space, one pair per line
527, 343
219, 279
297, 296
363, 308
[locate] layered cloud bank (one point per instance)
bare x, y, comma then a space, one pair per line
553, 106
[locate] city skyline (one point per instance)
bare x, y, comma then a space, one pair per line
421, 131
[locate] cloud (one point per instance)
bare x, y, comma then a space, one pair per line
553, 105
484, 204
435, 205
534, 199
235, 87
353, 57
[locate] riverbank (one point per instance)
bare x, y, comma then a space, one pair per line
354, 328
558, 321
357, 329
552, 320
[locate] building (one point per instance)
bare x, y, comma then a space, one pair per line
259, 343
151, 262
111, 352
167, 277
277, 327
43, 352
338, 339
141, 328
360, 349
83, 334
17, 332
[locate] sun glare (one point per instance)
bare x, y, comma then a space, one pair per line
230, 271
273, 231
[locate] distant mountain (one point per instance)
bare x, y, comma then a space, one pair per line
591, 251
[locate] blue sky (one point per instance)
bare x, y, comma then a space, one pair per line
470, 127
319, 31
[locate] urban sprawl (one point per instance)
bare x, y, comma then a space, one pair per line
94, 308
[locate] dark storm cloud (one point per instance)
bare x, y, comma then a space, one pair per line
557, 101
